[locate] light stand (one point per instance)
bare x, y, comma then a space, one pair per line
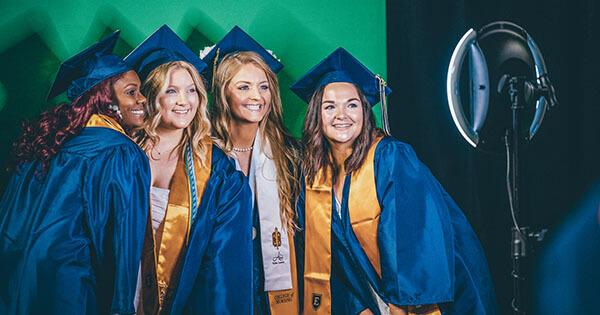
511, 55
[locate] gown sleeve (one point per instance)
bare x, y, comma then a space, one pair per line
117, 199
414, 233
224, 283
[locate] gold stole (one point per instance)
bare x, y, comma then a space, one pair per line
286, 301
318, 211
364, 212
172, 236
363, 208
99, 120
317, 257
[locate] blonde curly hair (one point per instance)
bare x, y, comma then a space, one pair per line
198, 130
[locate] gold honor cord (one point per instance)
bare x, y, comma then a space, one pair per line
286, 301
383, 100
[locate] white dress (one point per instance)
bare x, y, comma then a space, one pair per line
160, 199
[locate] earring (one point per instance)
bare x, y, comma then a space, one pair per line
115, 109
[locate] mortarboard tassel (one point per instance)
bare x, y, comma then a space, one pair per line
383, 100
212, 83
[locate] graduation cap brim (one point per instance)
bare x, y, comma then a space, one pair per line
74, 67
339, 66
237, 40
161, 47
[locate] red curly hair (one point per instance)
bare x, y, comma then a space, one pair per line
42, 139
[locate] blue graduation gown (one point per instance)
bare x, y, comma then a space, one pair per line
71, 240
428, 252
216, 273
260, 297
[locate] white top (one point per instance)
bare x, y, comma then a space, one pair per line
160, 200
384, 309
338, 206
262, 177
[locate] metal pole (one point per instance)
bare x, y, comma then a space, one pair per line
519, 245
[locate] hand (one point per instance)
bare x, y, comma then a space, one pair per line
366, 312
395, 310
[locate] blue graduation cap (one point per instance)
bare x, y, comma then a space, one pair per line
238, 40
159, 48
341, 66
83, 71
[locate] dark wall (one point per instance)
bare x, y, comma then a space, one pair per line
563, 159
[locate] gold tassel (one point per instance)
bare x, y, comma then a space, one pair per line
385, 124
215, 61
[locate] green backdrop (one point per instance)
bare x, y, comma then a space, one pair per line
35, 36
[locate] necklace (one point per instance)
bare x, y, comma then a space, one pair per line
242, 149
159, 153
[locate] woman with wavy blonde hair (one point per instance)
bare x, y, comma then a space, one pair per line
197, 132
247, 121
200, 257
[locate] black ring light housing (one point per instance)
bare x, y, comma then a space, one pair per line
496, 52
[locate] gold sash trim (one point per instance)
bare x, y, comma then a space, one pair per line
363, 208
317, 262
99, 120
317, 258
286, 301
424, 310
173, 234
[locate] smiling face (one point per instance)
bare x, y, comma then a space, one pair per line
341, 113
249, 94
129, 99
178, 99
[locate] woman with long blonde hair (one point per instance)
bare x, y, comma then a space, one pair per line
247, 121
199, 260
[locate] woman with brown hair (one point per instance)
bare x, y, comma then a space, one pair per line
201, 260
73, 217
247, 121
380, 235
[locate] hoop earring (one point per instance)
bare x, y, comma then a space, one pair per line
115, 108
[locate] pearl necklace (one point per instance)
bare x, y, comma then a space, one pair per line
242, 149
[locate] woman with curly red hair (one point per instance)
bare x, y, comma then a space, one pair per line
73, 217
